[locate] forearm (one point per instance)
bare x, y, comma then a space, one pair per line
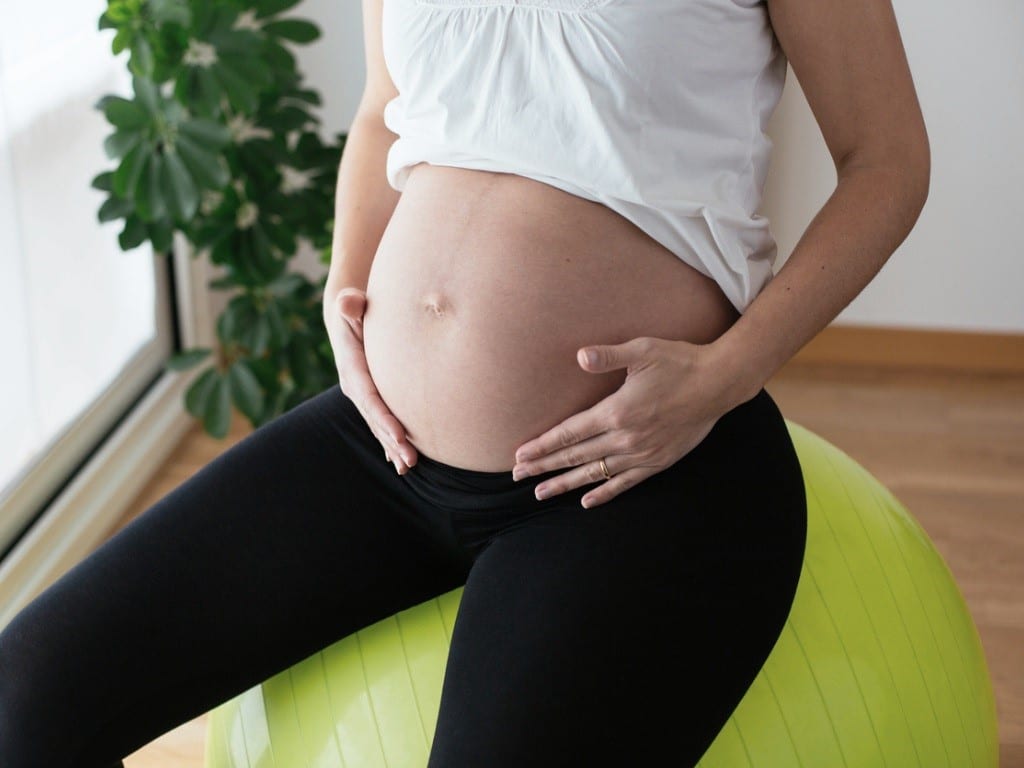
364, 203
868, 215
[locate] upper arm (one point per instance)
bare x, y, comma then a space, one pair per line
379, 88
853, 69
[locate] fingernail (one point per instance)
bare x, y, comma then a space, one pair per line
518, 473
542, 493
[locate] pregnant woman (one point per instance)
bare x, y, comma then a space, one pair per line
525, 182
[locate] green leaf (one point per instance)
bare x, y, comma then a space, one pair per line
114, 208
176, 113
225, 329
178, 188
278, 327
122, 39
104, 181
270, 7
238, 90
204, 166
149, 194
147, 93
263, 257
189, 358
236, 317
248, 67
119, 143
127, 175
308, 96
280, 235
217, 418
124, 113
245, 390
197, 396
143, 59
207, 96
189, 89
133, 234
237, 43
101, 103
287, 284
299, 362
296, 30
288, 118
122, 12
206, 133
278, 57
256, 335
161, 235
170, 12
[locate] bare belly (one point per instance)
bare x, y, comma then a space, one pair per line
483, 288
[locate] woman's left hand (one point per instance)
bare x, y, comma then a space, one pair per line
673, 395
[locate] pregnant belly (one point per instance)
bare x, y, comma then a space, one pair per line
483, 288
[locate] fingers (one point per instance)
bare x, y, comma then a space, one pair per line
391, 449
383, 425
587, 474
620, 482
577, 428
387, 425
583, 455
351, 305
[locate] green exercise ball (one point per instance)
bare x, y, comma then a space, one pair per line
879, 662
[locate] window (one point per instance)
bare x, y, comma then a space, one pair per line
84, 326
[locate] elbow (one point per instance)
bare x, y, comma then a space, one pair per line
906, 166
912, 175
915, 159
918, 170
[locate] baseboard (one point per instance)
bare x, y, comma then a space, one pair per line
881, 347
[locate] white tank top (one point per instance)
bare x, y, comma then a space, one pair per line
654, 108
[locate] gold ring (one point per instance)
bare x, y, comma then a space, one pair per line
604, 470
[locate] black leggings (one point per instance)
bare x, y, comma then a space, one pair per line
624, 634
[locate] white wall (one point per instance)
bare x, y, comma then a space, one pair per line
333, 65
962, 267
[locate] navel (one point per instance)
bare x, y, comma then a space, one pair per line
436, 305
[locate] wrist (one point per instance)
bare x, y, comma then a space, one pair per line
738, 379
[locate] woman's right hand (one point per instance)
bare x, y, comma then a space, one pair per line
357, 384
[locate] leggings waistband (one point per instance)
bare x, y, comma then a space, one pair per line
472, 489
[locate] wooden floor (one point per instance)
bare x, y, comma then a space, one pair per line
951, 448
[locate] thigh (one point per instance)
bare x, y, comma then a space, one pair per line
295, 537
627, 633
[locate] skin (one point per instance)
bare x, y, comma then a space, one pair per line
471, 328
658, 393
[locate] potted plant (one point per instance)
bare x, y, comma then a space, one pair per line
219, 143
